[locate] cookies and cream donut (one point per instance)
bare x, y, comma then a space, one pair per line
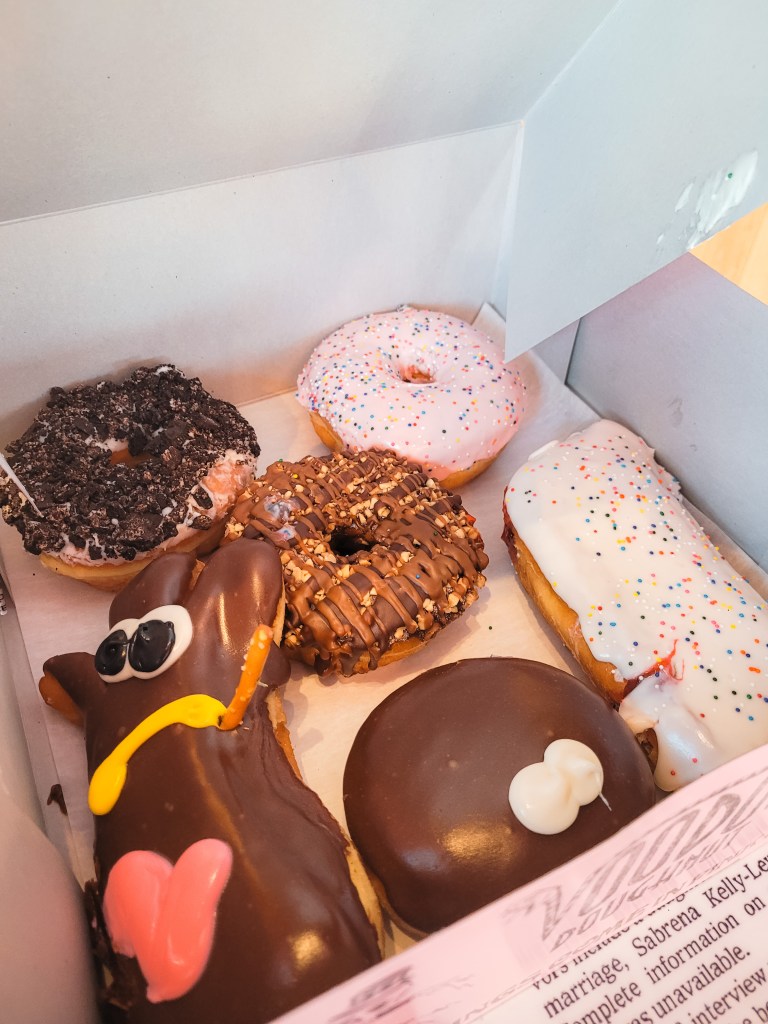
376, 556
642, 598
227, 891
420, 383
477, 777
119, 472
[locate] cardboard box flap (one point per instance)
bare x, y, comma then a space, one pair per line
650, 140
105, 102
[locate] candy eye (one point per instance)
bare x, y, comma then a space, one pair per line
151, 645
111, 655
144, 647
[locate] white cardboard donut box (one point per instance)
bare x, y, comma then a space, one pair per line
221, 185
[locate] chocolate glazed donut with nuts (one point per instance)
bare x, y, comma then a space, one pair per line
376, 556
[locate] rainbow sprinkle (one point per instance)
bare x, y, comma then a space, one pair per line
424, 384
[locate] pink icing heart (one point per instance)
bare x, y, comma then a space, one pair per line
165, 915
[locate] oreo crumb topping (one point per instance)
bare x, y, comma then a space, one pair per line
174, 431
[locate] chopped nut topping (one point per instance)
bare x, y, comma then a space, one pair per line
369, 532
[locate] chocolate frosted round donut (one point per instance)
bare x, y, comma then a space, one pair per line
421, 383
122, 471
426, 785
376, 557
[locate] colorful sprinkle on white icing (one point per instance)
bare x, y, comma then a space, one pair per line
423, 384
654, 597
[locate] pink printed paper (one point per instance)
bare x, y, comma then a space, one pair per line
458, 975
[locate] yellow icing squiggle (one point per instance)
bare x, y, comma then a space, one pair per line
197, 710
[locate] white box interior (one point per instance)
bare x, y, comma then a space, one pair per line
220, 185
215, 184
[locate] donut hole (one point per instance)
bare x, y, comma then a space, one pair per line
123, 456
415, 375
345, 542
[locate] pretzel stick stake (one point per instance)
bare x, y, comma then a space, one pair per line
5, 466
255, 659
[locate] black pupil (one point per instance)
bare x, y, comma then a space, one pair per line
150, 645
110, 657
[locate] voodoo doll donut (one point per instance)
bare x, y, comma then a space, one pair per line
211, 854
477, 777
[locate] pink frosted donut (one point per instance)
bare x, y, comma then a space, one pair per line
420, 383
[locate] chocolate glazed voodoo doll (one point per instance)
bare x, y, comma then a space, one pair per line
224, 883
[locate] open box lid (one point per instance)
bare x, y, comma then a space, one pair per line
648, 142
256, 174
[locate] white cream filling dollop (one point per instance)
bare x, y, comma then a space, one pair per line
546, 796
